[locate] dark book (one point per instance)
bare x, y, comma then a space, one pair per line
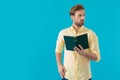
72, 41
64, 79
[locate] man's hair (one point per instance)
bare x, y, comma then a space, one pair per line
76, 8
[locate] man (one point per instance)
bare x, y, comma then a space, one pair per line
77, 63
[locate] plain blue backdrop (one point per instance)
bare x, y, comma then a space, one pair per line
28, 32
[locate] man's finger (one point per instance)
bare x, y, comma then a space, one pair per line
77, 49
80, 47
64, 69
61, 74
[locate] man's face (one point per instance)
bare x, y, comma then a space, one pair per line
78, 18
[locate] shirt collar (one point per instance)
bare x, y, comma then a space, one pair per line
79, 29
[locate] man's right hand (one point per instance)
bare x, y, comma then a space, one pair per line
61, 70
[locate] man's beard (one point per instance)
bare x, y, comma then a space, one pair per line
78, 24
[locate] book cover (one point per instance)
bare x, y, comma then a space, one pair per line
72, 41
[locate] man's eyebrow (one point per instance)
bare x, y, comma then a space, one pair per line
81, 14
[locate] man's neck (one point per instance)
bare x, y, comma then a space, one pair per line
76, 28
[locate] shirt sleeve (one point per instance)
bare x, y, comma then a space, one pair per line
59, 43
94, 46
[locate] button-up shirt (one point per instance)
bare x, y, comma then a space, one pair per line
77, 66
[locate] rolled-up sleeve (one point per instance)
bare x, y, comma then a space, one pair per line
94, 45
59, 43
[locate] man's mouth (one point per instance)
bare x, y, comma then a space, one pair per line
82, 21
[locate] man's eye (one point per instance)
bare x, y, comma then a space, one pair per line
81, 15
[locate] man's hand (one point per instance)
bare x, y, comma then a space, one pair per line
79, 51
61, 70
82, 52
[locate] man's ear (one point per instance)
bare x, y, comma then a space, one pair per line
72, 17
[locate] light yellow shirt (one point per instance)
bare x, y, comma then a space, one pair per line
77, 66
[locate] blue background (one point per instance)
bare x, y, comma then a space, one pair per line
28, 32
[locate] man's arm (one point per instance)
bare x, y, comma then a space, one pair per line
59, 47
92, 56
85, 54
61, 68
58, 58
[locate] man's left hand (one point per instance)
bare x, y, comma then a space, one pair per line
79, 50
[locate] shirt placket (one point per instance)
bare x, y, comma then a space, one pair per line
76, 60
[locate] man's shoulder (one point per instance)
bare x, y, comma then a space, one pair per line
90, 31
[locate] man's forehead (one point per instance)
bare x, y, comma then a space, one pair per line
80, 12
